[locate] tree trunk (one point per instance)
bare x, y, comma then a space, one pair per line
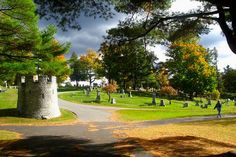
191, 95
109, 96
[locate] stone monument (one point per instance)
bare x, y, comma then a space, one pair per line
37, 97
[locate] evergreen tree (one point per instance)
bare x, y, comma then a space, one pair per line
229, 79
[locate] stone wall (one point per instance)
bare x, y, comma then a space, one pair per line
37, 97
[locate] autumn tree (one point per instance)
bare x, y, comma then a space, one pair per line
162, 77
190, 67
89, 65
169, 91
110, 88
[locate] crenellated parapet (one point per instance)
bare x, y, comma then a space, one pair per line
37, 97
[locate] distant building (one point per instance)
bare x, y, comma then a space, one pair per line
98, 82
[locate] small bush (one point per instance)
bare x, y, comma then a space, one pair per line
168, 90
111, 88
215, 94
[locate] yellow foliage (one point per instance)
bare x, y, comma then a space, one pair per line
90, 59
194, 55
162, 77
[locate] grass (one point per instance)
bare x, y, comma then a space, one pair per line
139, 108
8, 113
8, 135
168, 113
202, 138
80, 97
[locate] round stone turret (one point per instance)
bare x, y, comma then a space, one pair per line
37, 97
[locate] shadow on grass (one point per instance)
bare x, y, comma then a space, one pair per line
184, 146
11, 112
148, 104
65, 146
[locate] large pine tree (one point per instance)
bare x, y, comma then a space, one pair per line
24, 49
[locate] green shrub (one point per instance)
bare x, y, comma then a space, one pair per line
215, 94
228, 95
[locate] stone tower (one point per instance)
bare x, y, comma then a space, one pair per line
37, 97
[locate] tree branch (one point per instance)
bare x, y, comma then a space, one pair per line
202, 15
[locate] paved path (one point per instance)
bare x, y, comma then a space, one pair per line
88, 113
92, 136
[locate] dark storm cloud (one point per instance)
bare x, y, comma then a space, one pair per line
90, 35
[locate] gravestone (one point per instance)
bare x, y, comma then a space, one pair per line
201, 100
197, 103
204, 106
87, 92
227, 101
185, 104
98, 98
154, 98
130, 94
113, 101
122, 93
169, 101
162, 103
208, 101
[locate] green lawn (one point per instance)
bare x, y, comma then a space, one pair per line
8, 112
139, 108
8, 135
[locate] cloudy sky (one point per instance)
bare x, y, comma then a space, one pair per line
93, 30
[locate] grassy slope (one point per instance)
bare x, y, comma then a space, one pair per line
8, 112
140, 108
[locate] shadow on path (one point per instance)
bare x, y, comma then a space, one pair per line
55, 146
66, 146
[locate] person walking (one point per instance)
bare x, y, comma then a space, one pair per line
218, 106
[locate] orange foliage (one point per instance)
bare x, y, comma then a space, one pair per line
168, 90
112, 87
60, 58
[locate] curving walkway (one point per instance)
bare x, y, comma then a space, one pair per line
88, 113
